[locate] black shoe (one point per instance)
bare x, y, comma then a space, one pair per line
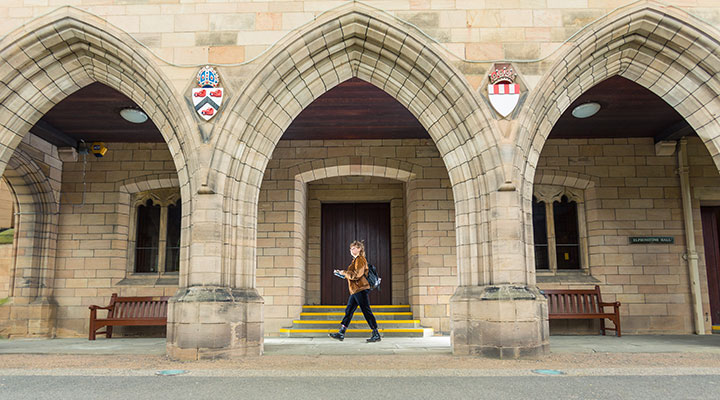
375, 337
340, 335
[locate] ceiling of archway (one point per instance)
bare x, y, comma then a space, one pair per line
628, 110
356, 109
92, 114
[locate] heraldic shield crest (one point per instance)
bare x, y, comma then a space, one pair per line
502, 91
207, 97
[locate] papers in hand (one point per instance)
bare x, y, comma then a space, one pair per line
338, 274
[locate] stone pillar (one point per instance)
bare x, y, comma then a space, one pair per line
213, 314
32, 310
501, 313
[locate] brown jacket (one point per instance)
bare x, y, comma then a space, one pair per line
355, 275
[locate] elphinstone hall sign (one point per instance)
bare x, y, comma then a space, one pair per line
220, 157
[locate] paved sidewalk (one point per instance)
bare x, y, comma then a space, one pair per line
405, 346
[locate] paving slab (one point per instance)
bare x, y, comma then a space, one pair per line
636, 344
151, 346
358, 346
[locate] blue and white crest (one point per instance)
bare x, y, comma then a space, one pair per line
207, 97
207, 77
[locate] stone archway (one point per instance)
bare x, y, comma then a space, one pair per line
59, 53
69, 49
660, 48
356, 41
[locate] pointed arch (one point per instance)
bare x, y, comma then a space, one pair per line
68, 49
356, 41
36, 229
661, 48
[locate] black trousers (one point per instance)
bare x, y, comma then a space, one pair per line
361, 299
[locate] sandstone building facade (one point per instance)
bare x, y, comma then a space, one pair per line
484, 210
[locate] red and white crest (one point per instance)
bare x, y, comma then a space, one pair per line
502, 92
207, 97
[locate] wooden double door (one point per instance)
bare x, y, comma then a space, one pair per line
711, 239
343, 223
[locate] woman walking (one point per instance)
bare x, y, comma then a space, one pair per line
359, 292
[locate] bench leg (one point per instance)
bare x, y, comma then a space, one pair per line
602, 326
617, 326
108, 330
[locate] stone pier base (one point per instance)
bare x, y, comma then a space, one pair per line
214, 322
35, 319
499, 321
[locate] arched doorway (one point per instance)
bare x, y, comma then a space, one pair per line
356, 148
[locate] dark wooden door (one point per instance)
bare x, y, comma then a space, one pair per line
711, 239
341, 224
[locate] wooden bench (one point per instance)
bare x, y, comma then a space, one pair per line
129, 311
582, 304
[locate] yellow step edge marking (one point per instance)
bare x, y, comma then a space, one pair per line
398, 330
388, 321
339, 313
380, 306
716, 328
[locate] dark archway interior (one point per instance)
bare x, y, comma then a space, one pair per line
92, 114
355, 109
628, 110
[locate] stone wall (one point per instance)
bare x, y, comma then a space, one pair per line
94, 226
634, 193
237, 31
6, 263
300, 176
6, 206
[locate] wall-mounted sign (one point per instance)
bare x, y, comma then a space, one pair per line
652, 239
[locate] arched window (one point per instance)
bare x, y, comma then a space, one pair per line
540, 231
148, 237
559, 230
156, 238
172, 252
567, 238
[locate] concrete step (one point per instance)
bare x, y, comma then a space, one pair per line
341, 308
355, 324
391, 332
393, 320
358, 316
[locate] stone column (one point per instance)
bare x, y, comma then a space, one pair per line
497, 311
32, 310
215, 314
